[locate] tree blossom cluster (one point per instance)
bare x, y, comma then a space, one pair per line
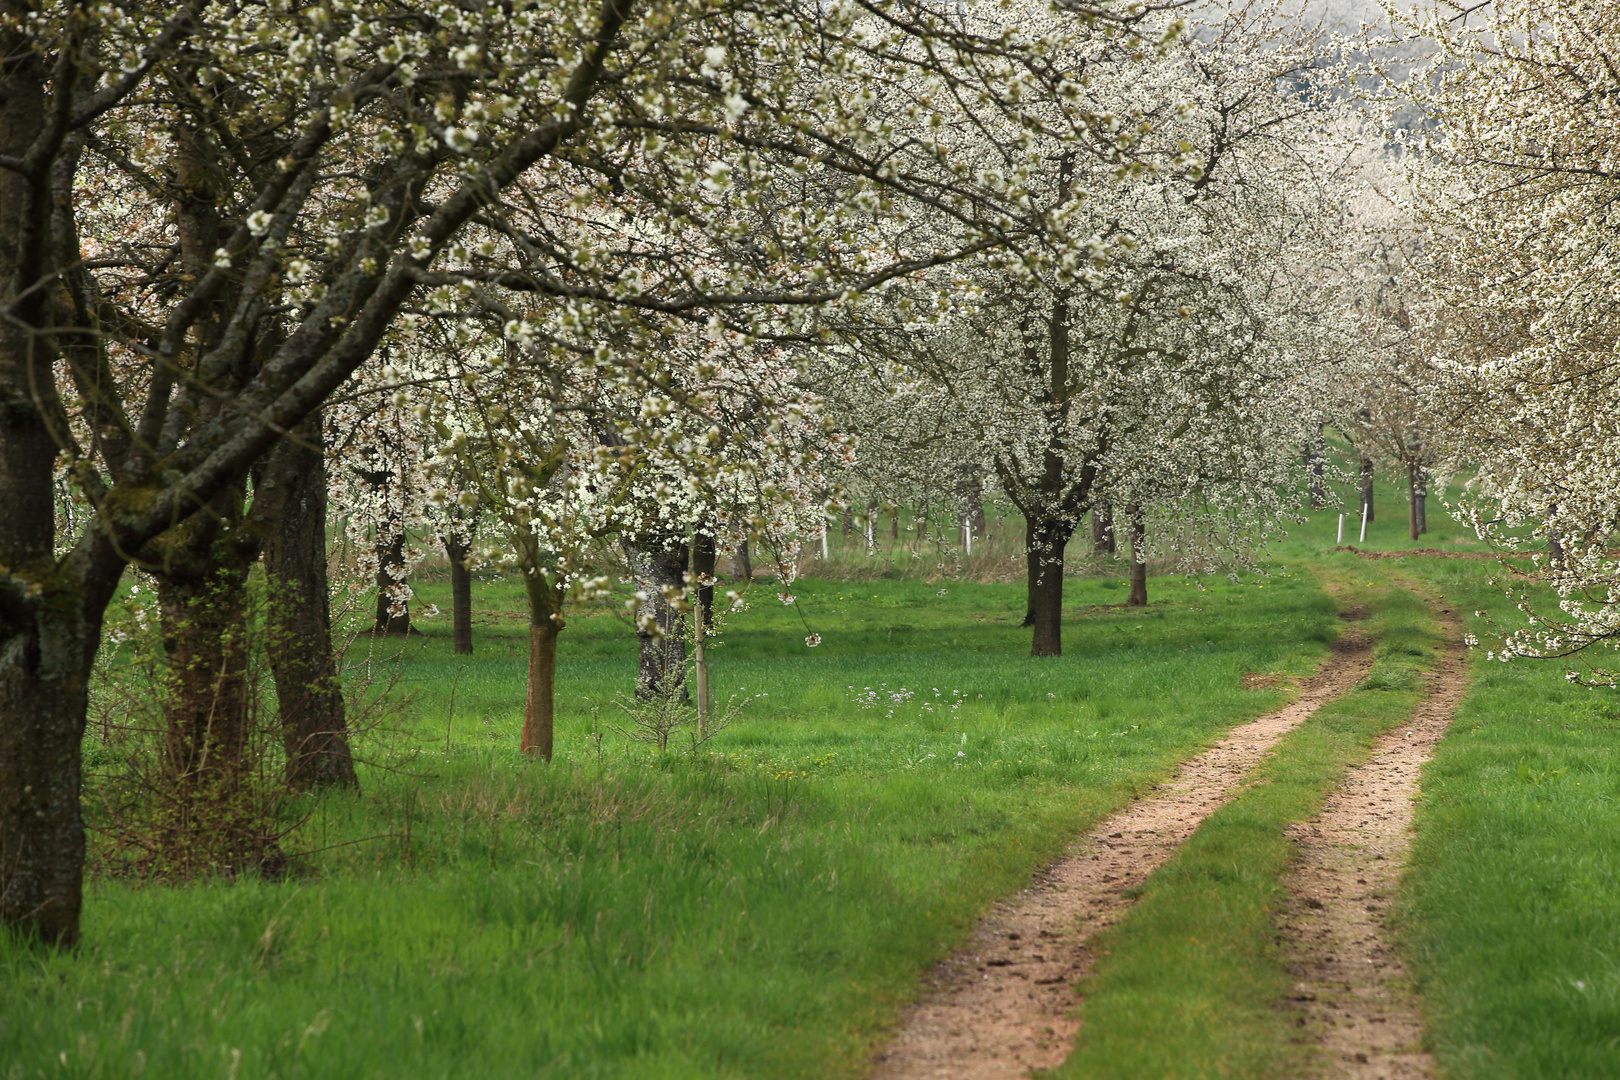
1516, 185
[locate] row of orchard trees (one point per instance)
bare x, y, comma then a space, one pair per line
1505, 340
601, 270
1171, 366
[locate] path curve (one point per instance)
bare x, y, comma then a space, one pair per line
1004, 1004
1352, 994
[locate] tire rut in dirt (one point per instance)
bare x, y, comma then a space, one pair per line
1352, 998
1004, 1005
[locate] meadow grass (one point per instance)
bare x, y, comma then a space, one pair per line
758, 909
1512, 905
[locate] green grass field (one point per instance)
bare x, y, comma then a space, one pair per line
759, 910
763, 907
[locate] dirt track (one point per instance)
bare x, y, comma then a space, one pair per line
1002, 1006
1352, 995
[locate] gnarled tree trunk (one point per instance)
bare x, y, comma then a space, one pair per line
1046, 543
660, 628
207, 715
314, 723
393, 615
1102, 529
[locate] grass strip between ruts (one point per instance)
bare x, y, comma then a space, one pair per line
1187, 984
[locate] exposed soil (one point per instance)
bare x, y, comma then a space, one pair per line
1352, 996
1002, 1006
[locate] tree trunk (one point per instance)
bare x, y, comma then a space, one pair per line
314, 727
1416, 496
1102, 529
1421, 507
1045, 547
703, 557
1555, 542
41, 831
47, 639
391, 577
1367, 488
1138, 593
660, 628
208, 714
539, 705
973, 506
1317, 459
455, 550
894, 526
740, 561
1032, 566
703, 560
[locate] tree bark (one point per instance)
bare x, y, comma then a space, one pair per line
1417, 494
1044, 550
1367, 488
48, 633
703, 560
741, 563
455, 550
1138, 594
539, 704
1102, 529
314, 724
1420, 501
207, 713
202, 603
660, 628
391, 557
1317, 458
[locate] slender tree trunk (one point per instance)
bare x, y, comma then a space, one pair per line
1032, 567
1316, 457
740, 561
1411, 501
704, 557
849, 523
1048, 540
539, 706
973, 506
894, 526
1102, 529
314, 725
455, 550
1421, 507
1555, 542
1138, 593
660, 628
1367, 488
